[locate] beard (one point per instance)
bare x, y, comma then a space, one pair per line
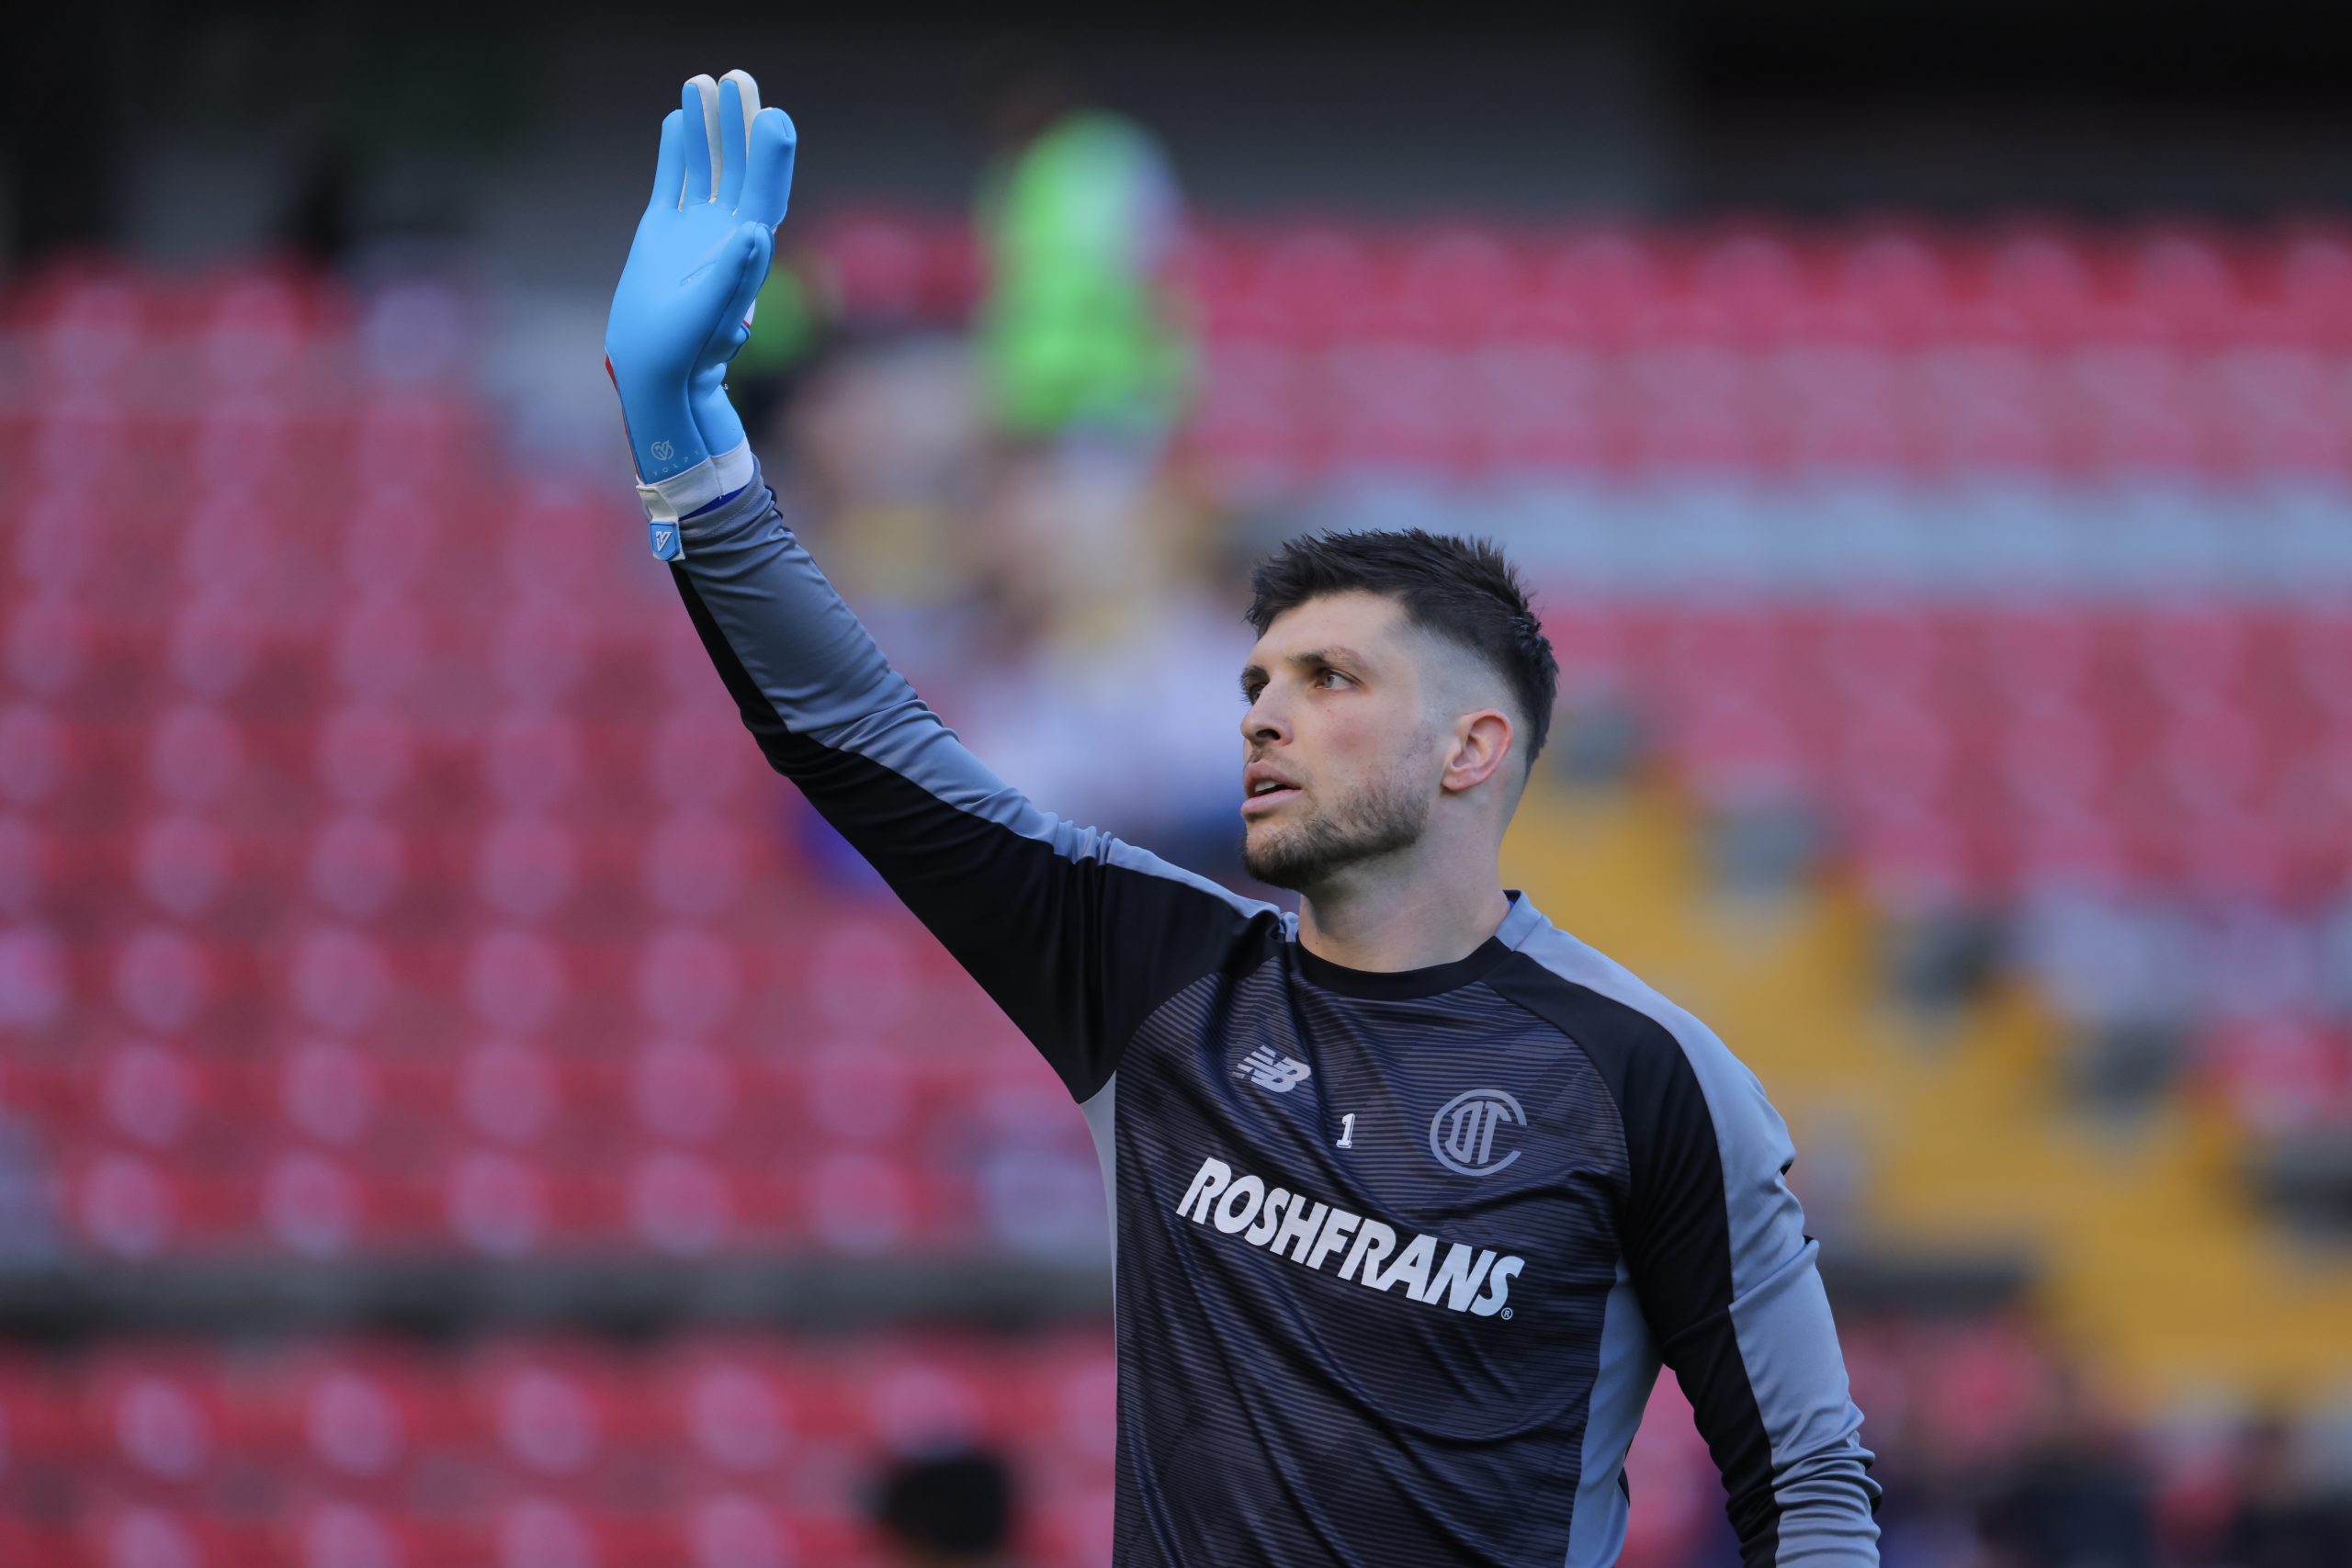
1390, 814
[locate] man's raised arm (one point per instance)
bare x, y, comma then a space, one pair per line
1075, 934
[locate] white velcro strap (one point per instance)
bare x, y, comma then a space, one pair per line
682, 494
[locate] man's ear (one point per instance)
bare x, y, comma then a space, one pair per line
1482, 745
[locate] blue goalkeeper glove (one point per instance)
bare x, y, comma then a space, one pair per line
684, 304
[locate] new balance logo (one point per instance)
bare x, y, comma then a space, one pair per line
1280, 1073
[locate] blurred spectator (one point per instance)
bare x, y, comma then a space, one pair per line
2122, 972
2072, 1496
29, 1236
2282, 1520
1077, 215
795, 323
954, 1507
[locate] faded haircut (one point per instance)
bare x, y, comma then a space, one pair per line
1464, 592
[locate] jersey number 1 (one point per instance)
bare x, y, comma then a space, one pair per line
1347, 1130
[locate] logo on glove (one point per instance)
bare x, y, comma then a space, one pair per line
663, 450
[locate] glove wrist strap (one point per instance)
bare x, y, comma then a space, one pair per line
682, 494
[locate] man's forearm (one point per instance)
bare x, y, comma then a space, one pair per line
1042, 912
821, 683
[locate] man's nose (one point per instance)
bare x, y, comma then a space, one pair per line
1260, 722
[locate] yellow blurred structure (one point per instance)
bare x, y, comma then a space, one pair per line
2153, 1264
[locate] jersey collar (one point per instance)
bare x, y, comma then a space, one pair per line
1393, 985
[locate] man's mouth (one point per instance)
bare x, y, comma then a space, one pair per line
1266, 797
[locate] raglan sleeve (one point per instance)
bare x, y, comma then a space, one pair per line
1076, 935
1729, 1283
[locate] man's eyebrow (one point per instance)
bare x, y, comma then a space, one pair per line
1335, 654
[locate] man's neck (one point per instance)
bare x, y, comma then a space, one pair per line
1386, 924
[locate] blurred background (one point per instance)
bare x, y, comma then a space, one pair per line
457, 1107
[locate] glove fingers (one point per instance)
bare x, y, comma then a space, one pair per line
669, 165
767, 183
699, 103
755, 243
739, 101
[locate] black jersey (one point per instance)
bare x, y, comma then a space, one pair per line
1399, 1255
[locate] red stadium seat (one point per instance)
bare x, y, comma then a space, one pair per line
50, 643
2278, 1074
162, 978
89, 331
355, 1418
196, 756
685, 1092
540, 652
526, 867
337, 978
2314, 281
28, 858
1453, 287
688, 981
737, 1529
2269, 407
390, 542
338, 1533
2046, 278
1837, 406
162, 1419
356, 864
147, 1094
864, 1204
510, 1092
35, 754
364, 754
214, 645
2188, 283
314, 1206
735, 1410
1592, 288
498, 1205
1987, 406
693, 864
184, 862
877, 264
1758, 280
1900, 280
1317, 286
1541, 406
515, 981
380, 646
328, 1090
683, 1205
531, 759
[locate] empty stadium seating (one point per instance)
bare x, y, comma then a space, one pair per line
710, 1450
463, 747
706, 1450
382, 870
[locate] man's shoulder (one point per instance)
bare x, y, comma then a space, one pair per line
1644, 1042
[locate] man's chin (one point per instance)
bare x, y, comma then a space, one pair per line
1278, 860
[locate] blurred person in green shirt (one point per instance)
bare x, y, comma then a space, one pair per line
1078, 330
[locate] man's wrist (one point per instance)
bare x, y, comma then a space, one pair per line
696, 489
664, 438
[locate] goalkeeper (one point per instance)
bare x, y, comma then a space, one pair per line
1412, 1191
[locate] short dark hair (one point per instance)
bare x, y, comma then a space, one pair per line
1465, 590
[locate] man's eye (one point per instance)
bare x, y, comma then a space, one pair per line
1330, 675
